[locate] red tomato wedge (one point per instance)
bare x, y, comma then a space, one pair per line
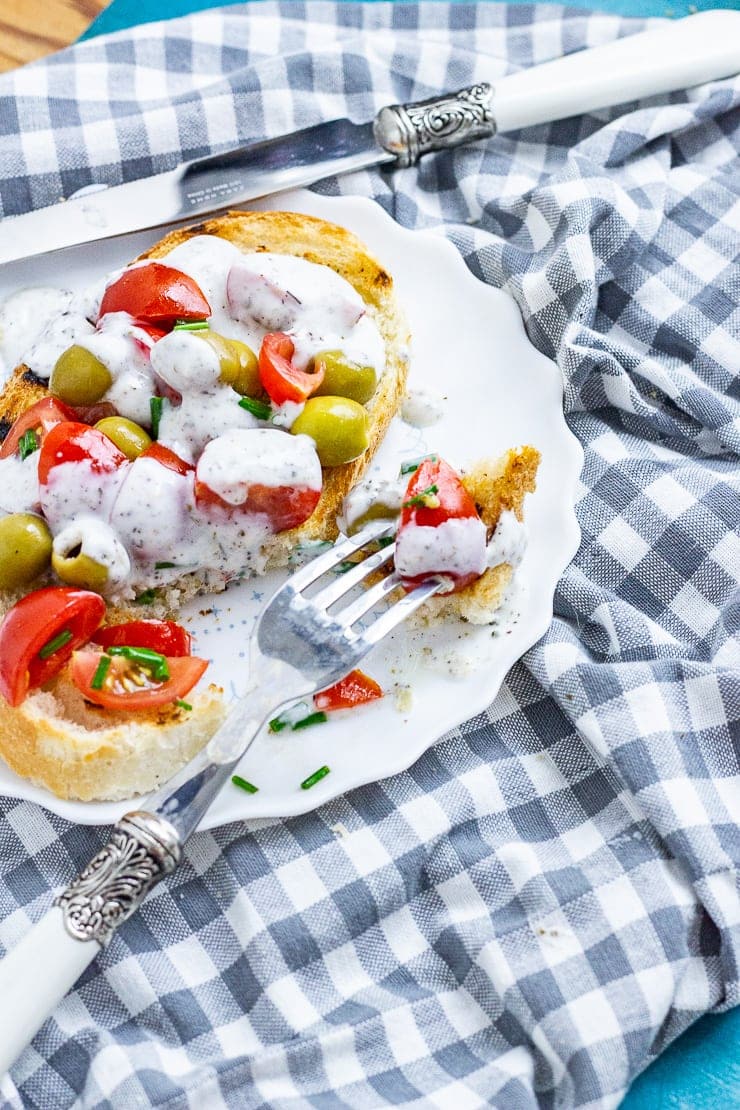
434, 495
184, 672
356, 688
75, 442
166, 637
39, 634
39, 418
155, 294
282, 380
285, 506
167, 458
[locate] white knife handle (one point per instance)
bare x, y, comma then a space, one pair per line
677, 55
34, 978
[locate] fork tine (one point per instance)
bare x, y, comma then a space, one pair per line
371, 597
322, 563
345, 582
398, 612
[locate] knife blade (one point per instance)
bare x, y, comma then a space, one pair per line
677, 55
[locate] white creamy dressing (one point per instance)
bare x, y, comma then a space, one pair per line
94, 538
76, 489
422, 407
23, 317
239, 459
367, 493
59, 334
19, 484
188, 427
456, 547
124, 349
508, 542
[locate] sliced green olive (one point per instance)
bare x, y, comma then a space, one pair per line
79, 378
127, 436
344, 378
25, 549
337, 425
377, 511
239, 367
77, 569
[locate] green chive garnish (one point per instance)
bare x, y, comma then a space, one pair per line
146, 598
163, 566
156, 405
414, 464
257, 408
101, 672
344, 566
55, 644
183, 704
318, 718
384, 541
191, 325
277, 724
27, 444
426, 499
145, 657
317, 776
244, 784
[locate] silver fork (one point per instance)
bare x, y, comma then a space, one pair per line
300, 644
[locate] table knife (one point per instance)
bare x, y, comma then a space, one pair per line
677, 55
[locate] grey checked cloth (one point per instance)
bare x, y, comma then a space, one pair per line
549, 896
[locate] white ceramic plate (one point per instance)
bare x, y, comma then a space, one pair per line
469, 346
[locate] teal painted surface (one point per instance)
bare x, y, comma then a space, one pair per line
126, 13
701, 1070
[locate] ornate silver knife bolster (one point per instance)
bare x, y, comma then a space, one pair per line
143, 848
410, 130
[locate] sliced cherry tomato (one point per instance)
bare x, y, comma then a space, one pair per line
39, 634
166, 637
75, 442
157, 294
39, 418
356, 688
282, 380
285, 506
152, 330
163, 455
434, 495
119, 686
90, 414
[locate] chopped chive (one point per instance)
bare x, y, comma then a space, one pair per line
145, 657
413, 464
28, 443
96, 683
344, 566
55, 644
384, 541
426, 499
191, 325
146, 597
244, 784
163, 566
277, 724
317, 776
183, 704
318, 718
156, 405
257, 408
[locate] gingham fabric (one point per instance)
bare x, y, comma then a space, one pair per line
549, 896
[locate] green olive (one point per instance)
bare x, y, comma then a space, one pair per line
25, 549
338, 426
77, 569
344, 378
127, 436
79, 378
239, 367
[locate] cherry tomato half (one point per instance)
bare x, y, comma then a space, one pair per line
285, 506
356, 688
39, 418
75, 442
39, 634
114, 693
156, 294
166, 637
167, 458
282, 380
